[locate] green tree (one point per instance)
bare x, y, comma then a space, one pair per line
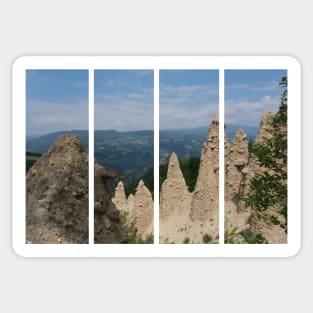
268, 189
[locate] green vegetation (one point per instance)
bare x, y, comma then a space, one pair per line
229, 236
186, 240
252, 239
131, 184
187, 142
268, 190
207, 238
31, 158
130, 229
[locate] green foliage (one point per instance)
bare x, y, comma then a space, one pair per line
129, 227
268, 190
186, 240
274, 220
252, 239
250, 145
207, 238
190, 169
229, 235
148, 240
131, 183
31, 158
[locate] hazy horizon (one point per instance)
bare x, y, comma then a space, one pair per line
56, 99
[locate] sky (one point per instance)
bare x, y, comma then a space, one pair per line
188, 98
124, 100
249, 93
56, 100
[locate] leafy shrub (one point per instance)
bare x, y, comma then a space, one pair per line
186, 240
229, 235
207, 238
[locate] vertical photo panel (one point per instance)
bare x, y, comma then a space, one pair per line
56, 156
256, 157
123, 151
189, 156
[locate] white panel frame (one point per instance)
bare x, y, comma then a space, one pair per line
155, 63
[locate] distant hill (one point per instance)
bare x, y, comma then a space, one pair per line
131, 152
43, 143
187, 142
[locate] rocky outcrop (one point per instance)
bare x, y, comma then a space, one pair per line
236, 161
57, 194
143, 211
119, 199
139, 208
107, 224
185, 215
204, 204
175, 201
272, 233
266, 128
175, 197
57, 198
239, 170
236, 181
191, 215
130, 204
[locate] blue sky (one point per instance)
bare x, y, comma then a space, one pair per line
56, 100
249, 93
188, 98
124, 99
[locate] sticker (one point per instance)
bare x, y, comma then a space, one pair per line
122, 156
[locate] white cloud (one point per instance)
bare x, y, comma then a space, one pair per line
125, 111
187, 106
81, 84
248, 112
49, 116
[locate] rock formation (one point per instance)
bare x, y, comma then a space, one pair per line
119, 199
57, 197
236, 181
143, 210
191, 215
175, 197
139, 208
175, 201
185, 215
239, 170
271, 232
204, 204
107, 224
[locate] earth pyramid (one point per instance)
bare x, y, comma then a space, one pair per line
57, 198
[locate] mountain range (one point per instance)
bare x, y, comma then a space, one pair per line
131, 152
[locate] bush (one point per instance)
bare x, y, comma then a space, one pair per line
207, 238
186, 240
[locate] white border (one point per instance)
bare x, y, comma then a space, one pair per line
156, 176
156, 63
221, 172
91, 137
